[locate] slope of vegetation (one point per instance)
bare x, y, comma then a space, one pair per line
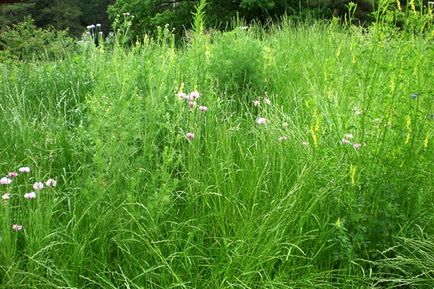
300, 157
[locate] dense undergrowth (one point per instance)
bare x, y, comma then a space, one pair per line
300, 157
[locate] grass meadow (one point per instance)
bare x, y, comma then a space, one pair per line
300, 156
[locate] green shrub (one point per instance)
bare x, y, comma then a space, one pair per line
237, 62
25, 41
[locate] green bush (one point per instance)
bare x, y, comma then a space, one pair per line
25, 41
237, 62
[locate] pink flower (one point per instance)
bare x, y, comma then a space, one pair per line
203, 108
182, 95
193, 95
38, 186
51, 183
13, 175
256, 102
191, 104
6, 196
29, 196
261, 120
345, 141
24, 170
17, 227
357, 146
189, 135
5, 181
283, 138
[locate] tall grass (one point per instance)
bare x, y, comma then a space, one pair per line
296, 202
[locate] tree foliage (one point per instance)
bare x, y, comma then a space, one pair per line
25, 41
73, 15
179, 13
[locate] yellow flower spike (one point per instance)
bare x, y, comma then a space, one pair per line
392, 85
413, 6
408, 129
317, 125
172, 54
338, 51
426, 141
338, 223
181, 87
399, 5
314, 129
330, 93
389, 119
314, 137
353, 171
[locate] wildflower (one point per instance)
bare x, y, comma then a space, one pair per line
51, 183
348, 136
38, 186
24, 170
12, 175
17, 227
6, 196
285, 125
256, 102
353, 173
305, 143
189, 135
5, 181
98, 25
338, 223
203, 108
191, 104
182, 95
261, 121
357, 146
29, 196
414, 95
193, 95
267, 101
358, 112
283, 138
345, 141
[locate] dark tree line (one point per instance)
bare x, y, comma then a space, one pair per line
73, 15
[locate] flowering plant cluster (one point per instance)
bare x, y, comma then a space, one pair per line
266, 100
6, 182
346, 140
191, 98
